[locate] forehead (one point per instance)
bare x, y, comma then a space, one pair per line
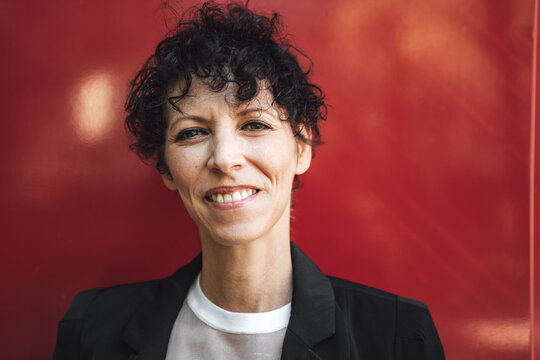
201, 96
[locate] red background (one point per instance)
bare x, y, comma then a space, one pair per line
421, 189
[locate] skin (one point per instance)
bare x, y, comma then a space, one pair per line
214, 143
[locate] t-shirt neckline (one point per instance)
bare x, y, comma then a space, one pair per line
234, 322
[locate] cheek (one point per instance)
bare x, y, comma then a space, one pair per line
184, 166
276, 155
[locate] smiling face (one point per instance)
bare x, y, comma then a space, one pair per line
233, 164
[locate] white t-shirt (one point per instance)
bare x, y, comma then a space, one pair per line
204, 331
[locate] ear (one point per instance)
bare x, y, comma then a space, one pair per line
168, 181
303, 153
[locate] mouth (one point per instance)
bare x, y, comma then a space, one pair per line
229, 196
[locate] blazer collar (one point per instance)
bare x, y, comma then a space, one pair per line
313, 305
312, 310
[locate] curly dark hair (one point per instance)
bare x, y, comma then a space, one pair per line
221, 44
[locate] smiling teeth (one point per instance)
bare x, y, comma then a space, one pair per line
234, 196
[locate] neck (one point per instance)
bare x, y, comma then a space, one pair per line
251, 277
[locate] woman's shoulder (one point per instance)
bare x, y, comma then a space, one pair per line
367, 294
409, 320
119, 301
342, 286
106, 298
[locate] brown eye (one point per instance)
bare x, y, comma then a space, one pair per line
191, 133
255, 126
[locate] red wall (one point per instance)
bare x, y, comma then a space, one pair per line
422, 188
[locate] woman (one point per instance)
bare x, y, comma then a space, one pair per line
232, 119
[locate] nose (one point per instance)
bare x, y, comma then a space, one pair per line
226, 153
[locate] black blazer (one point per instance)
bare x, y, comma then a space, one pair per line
330, 319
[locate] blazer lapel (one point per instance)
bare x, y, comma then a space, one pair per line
149, 329
313, 309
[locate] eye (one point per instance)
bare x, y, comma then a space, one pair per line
191, 133
255, 126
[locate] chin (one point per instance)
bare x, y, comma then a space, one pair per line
234, 236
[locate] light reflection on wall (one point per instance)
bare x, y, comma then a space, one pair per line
446, 50
511, 335
93, 106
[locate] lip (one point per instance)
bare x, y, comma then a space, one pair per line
230, 205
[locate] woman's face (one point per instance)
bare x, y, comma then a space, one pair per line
233, 164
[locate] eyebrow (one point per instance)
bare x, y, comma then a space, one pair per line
250, 110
